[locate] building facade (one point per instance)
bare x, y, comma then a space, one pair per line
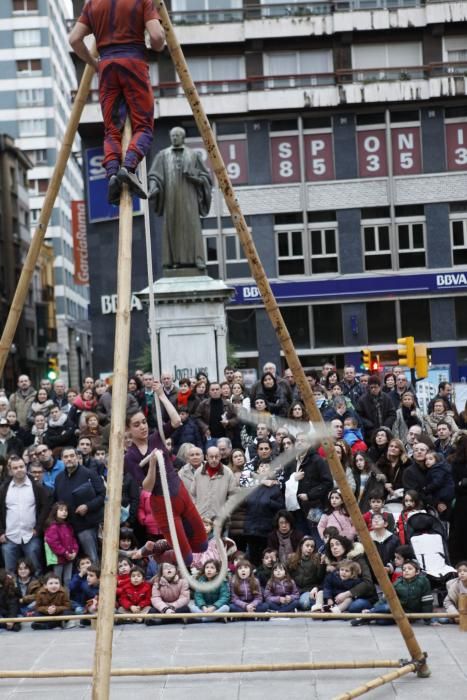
37, 78
344, 129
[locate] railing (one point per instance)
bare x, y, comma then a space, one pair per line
309, 80
286, 9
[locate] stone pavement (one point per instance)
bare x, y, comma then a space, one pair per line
239, 642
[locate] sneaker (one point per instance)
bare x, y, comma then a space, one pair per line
114, 191
131, 179
359, 621
70, 624
16, 627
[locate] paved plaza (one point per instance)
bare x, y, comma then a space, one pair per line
240, 642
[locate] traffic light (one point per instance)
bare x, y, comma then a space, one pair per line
53, 368
365, 359
406, 352
421, 361
375, 364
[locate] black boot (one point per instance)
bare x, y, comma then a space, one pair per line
125, 176
114, 191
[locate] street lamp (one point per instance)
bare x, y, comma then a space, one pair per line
79, 352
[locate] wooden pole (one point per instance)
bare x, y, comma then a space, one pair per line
377, 682
282, 333
29, 266
108, 581
463, 613
201, 670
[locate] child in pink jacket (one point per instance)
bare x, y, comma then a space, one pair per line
61, 540
170, 593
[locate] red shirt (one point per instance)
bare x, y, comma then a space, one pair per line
118, 21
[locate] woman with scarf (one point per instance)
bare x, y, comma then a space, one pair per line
274, 395
284, 538
84, 402
407, 415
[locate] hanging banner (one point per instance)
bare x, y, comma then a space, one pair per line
319, 157
234, 153
456, 146
406, 151
372, 159
96, 182
285, 159
80, 242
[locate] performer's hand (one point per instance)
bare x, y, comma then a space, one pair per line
157, 387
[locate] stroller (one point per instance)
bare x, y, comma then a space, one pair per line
427, 535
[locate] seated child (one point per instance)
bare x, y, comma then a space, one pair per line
170, 593
386, 543
91, 589
245, 590
77, 583
413, 590
211, 601
9, 606
281, 593
135, 595
263, 572
402, 554
27, 586
338, 583
307, 571
51, 599
377, 506
456, 587
124, 567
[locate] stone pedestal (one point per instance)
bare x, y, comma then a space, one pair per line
190, 324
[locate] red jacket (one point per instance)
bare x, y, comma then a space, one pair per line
135, 595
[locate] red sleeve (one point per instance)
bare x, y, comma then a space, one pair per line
84, 17
150, 11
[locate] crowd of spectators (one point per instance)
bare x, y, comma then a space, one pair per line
291, 542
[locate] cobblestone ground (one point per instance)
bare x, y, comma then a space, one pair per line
241, 642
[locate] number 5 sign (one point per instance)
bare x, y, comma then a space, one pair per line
319, 158
406, 152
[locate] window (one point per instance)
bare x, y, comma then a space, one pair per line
283, 8
218, 68
25, 6
455, 49
323, 250
35, 214
381, 322
415, 318
29, 67
298, 324
242, 329
327, 325
236, 264
26, 37
290, 258
411, 244
194, 10
460, 308
33, 97
377, 246
459, 241
32, 127
288, 65
211, 255
400, 54
38, 156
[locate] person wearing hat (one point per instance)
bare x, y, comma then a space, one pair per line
9, 444
375, 408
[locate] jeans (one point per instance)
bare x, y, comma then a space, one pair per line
32, 550
261, 607
64, 572
282, 607
358, 605
168, 618
194, 608
305, 602
88, 542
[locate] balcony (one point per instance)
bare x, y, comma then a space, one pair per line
276, 92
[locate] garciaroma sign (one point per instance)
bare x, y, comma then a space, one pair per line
80, 242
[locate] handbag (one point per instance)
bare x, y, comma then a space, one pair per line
291, 500
51, 558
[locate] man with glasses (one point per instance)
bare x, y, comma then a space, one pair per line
52, 467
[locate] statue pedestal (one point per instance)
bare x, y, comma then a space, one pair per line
190, 324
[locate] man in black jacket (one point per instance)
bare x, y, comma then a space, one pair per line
84, 493
314, 483
9, 443
375, 408
24, 507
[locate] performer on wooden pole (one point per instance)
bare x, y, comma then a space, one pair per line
124, 84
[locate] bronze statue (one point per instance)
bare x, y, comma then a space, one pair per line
180, 187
